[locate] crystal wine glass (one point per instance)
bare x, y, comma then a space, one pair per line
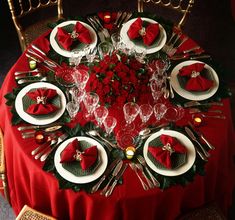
109, 124
100, 113
159, 110
81, 77
131, 110
77, 95
72, 109
146, 110
90, 101
156, 89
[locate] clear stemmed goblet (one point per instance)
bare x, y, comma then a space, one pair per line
77, 95
80, 77
100, 113
76, 57
116, 40
159, 110
156, 89
90, 101
72, 109
131, 110
105, 49
109, 124
146, 110
140, 54
91, 54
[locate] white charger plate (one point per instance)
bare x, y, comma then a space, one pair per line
150, 49
67, 53
191, 153
36, 120
81, 179
197, 96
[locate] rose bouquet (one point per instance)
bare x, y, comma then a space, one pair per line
117, 79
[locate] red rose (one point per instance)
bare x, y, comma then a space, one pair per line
106, 80
122, 75
106, 90
110, 74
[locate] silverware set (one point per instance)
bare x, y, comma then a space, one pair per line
195, 136
102, 32
40, 57
113, 173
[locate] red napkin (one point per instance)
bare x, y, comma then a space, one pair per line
73, 153
148, 33
80, 33
196, 81
42, 98
163, 154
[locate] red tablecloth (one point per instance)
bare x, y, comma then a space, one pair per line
29, 184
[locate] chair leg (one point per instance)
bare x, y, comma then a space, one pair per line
5, 187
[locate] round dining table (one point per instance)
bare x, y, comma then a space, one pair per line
29, 184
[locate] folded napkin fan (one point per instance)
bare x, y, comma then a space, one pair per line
163, 154
80, 33
73, 152
148, 33
41, 104
196, 81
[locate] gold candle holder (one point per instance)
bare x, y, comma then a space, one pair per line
130, 152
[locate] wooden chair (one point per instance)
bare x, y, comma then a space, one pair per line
181, 7
27, 213
3, 177
31, 17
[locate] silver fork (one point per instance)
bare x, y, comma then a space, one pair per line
22, 81
143, 162
140, 167
133, 167
60, 139
31, 76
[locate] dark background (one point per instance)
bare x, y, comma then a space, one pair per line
210, 24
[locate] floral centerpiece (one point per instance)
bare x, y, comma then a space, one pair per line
118, 78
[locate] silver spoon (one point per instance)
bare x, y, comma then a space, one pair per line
96, 133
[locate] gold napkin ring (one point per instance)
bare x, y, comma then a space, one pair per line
195, 74
41, 99
142, 31
74, 35
78, 155
168, 148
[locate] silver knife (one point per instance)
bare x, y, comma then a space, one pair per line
60, 139
106, 173
49, 127
196, 103
119, 175
114, 173
192, 136
201, 136
100, 34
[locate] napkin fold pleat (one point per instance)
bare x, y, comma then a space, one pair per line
164, 156
196, 81
42, 107
82, 35
87, 157
151, 31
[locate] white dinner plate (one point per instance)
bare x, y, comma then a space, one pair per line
190, 95
67, 53
191, 154
81, 179
39, 120
150, 49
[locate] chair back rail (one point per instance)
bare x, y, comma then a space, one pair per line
3, 176
20, 9
183, 7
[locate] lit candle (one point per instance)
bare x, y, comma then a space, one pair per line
197, 120
40, 137
130, 152
107, 17
32, 64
